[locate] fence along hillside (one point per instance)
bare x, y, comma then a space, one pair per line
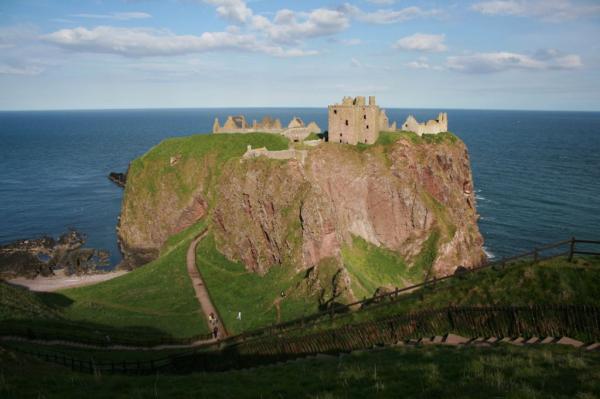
578, 321
566, 248
268, 345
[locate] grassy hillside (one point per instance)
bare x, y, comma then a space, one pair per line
555, 281
20, 303
198, 155
371, 267
159, 295
233, 290
426, 372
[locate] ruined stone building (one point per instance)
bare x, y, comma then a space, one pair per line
432, 126
295, 131
238, 124
353, 121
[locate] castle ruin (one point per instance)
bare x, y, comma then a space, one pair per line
295, 131
432, 126
353, 121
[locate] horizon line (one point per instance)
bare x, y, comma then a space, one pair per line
286, 107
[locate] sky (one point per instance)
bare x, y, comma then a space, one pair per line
478, 54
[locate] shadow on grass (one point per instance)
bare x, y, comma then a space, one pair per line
54, 299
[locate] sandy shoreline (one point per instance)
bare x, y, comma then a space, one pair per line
61, 281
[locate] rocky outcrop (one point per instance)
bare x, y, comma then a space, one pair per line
41, 256
151, 214
118, 178
271, 213
301, 213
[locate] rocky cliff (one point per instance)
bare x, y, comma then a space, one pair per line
412, 196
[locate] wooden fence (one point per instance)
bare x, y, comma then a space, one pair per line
581, 322
576, 321
567, 248
91, 336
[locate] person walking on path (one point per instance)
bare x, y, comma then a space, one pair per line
208, 308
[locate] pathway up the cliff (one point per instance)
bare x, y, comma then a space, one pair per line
200, 288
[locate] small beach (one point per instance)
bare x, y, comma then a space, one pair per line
61, 281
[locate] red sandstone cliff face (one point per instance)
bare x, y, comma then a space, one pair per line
267, 213
283, 212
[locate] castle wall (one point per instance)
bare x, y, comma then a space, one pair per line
300, 155
354, 122
296, 131
432, 126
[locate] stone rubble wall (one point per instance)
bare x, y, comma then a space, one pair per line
432, 126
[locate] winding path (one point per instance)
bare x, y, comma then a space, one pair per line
202, 296
200, 288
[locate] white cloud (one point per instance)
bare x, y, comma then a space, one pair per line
386, 16
555, 10
232, 10
422, 42
355, 63
287, 26
141, 42
502, 61
290, 27
423, 63
120, 16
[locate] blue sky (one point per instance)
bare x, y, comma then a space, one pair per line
502, 54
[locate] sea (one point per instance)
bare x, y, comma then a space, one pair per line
536, 173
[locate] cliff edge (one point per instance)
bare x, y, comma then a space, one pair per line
350, 208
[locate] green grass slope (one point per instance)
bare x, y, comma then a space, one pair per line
425, 372
371, 267
200, 155
158, 296
555, 281
233, 290
20, 303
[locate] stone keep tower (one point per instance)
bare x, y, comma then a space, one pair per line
353, 121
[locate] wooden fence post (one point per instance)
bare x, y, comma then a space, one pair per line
571, 249
535, 255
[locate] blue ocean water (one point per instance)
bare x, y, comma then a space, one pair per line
537, 174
